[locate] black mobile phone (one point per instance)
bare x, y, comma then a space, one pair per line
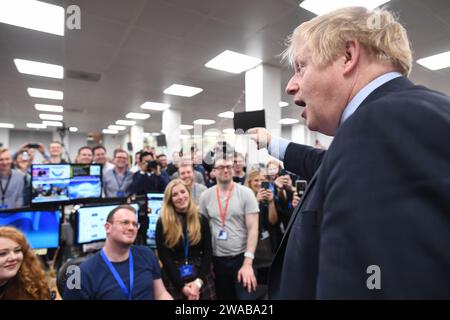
33, 146
283, 172
265, 185
300, 185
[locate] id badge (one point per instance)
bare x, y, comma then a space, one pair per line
222, 235
120, 194
264, 235
186, 271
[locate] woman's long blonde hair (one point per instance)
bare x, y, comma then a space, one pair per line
250, 177
30, 279
172, 227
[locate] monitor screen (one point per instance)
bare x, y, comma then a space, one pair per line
65, 182
41, 227
154, 204
90, 225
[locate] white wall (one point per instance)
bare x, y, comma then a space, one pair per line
4, 137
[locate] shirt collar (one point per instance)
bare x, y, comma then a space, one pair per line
364, 92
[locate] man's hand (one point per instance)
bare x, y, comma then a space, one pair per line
247, 277
295, 200
190, 292
261, 136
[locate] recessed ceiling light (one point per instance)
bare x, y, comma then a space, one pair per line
212, 133
39, 68
137, 115
233, 62
288, 121
320, 7
436, 62
227, 114
6, 125
283, 104
46, 94
109, 131
157, 106
116, 127
181, 90
52, 117
35, 15
228, 130
48, 108
126, 122
155, 134
36, 125
73, 129
53, 123
186, 127
205, 122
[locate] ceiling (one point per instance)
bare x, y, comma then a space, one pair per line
140, 47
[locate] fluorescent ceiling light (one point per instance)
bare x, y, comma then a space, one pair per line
109, 131
126, 122
39, 68
73, 129
283, 104
228, 130
205, 122
6, 125
48, 108
227, 114
137, 115
181, 90
115, 127
46, 94
186, 127
185, 136
35, 15
52, 117
52, 123
155, 134
145, 134
320, 7
157, 106
436, 62
233, 62
36, 125
288, 121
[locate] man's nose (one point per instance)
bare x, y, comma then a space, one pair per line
291, 87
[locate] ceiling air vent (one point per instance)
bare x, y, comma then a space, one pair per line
82, 75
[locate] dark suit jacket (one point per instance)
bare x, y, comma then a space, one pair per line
379, 196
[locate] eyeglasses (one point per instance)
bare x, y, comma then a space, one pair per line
223, 168
127, 223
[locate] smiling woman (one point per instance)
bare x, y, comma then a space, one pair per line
21, 275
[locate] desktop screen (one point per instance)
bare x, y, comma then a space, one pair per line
91, 222
154, 204
41, 227
65, 182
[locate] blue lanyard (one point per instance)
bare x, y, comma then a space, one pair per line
119, 185
186, 248
117, 276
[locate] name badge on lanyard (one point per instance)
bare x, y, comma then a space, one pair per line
222, 235
3, 205
186, 270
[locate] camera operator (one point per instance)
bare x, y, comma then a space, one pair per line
150, 179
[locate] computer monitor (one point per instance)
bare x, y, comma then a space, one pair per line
62, 183
90, 222
154, 204
41, 227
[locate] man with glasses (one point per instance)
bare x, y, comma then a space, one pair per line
117, 181
120, 271
232, 211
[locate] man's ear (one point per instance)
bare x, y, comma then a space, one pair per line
352, 55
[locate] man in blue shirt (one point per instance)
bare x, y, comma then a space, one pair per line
120, 271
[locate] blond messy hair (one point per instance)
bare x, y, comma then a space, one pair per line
378, 32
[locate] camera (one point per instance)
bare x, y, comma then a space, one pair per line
152, 164
265, 185
300, 185
33, 146
283, 172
